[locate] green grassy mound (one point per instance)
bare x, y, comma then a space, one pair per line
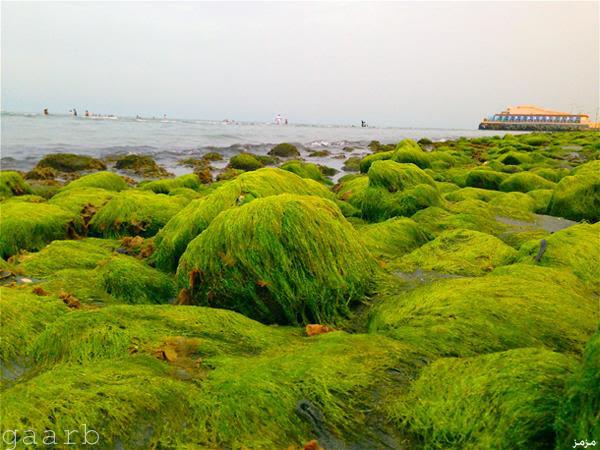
82, 200
104, 180
471, 193
192, 220
284, 259
502, 400
408, 151
575, 248
579, 415
542, 198
397, 177
135, 212
30, 226
12, 183
459, 252
525, 182
578, 197
367, 161
394, 237
514, 158
306, 170
69, 162
469, 316
466, 214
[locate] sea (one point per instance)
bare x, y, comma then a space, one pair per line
26, 138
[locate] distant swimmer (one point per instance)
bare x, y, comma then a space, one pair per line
278, 119
363, 124
87, 113
74, 112
45, 111
286, 122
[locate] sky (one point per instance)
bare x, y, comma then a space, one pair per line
409, 64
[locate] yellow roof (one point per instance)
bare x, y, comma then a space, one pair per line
530, 110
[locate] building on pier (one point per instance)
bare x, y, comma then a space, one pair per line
532, 118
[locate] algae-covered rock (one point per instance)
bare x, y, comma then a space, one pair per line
166, 186
306, 170
194, 218
503, 400
576, 248
394, 237
408, 151
352, 164
397, 177
23, 316
135, 212
542, 198
104, 180
132, 281
461, 215
365, 163
459, 252
82, 200
485, 179
514, 204
285, 259
515, 158
245, 161
471, 193
578, 197
525, 182
12, 183
284, 150
469, 316
30, 226
141, 165
579, 413
69, 162
59, 255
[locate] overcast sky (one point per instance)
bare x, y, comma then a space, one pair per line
399, 64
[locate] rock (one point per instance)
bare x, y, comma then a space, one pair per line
141, 165
69, 162
284, 150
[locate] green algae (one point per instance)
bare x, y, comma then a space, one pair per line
104, 180
69, 162
525, 182
575, 248
260, 260
394, 237
284, 150
132, 281
542, 198
58, 255
192, 220
135, 212
485, 179
471, 193
306, 170
141, 165
579, 414
12, 183
78, 200
30, 226
367, 161
352, 164
514, 158
459, 252
470, 316
166, 186
503, 400
245, 161
577, 197
23, 316
408, 151
514, 204
397, 177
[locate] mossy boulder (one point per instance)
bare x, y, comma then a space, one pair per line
284, 150
12, 183
579, 413
514, 158
575, 248
397, 177
503, 400
470, 316
69, 162
365, 163
459, 252
408, 151
394, 237
485, 179
283, 259
42, 173
30, 226
525, 182
542, 198
471, 193
192, 220
352, 164
245, 161
103, 180
135, 212
578, 197
514, 204
140, 165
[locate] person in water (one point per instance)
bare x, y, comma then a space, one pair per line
74, 112
363, 123
87, 113
45, 111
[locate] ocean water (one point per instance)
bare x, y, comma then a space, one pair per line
25, 138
